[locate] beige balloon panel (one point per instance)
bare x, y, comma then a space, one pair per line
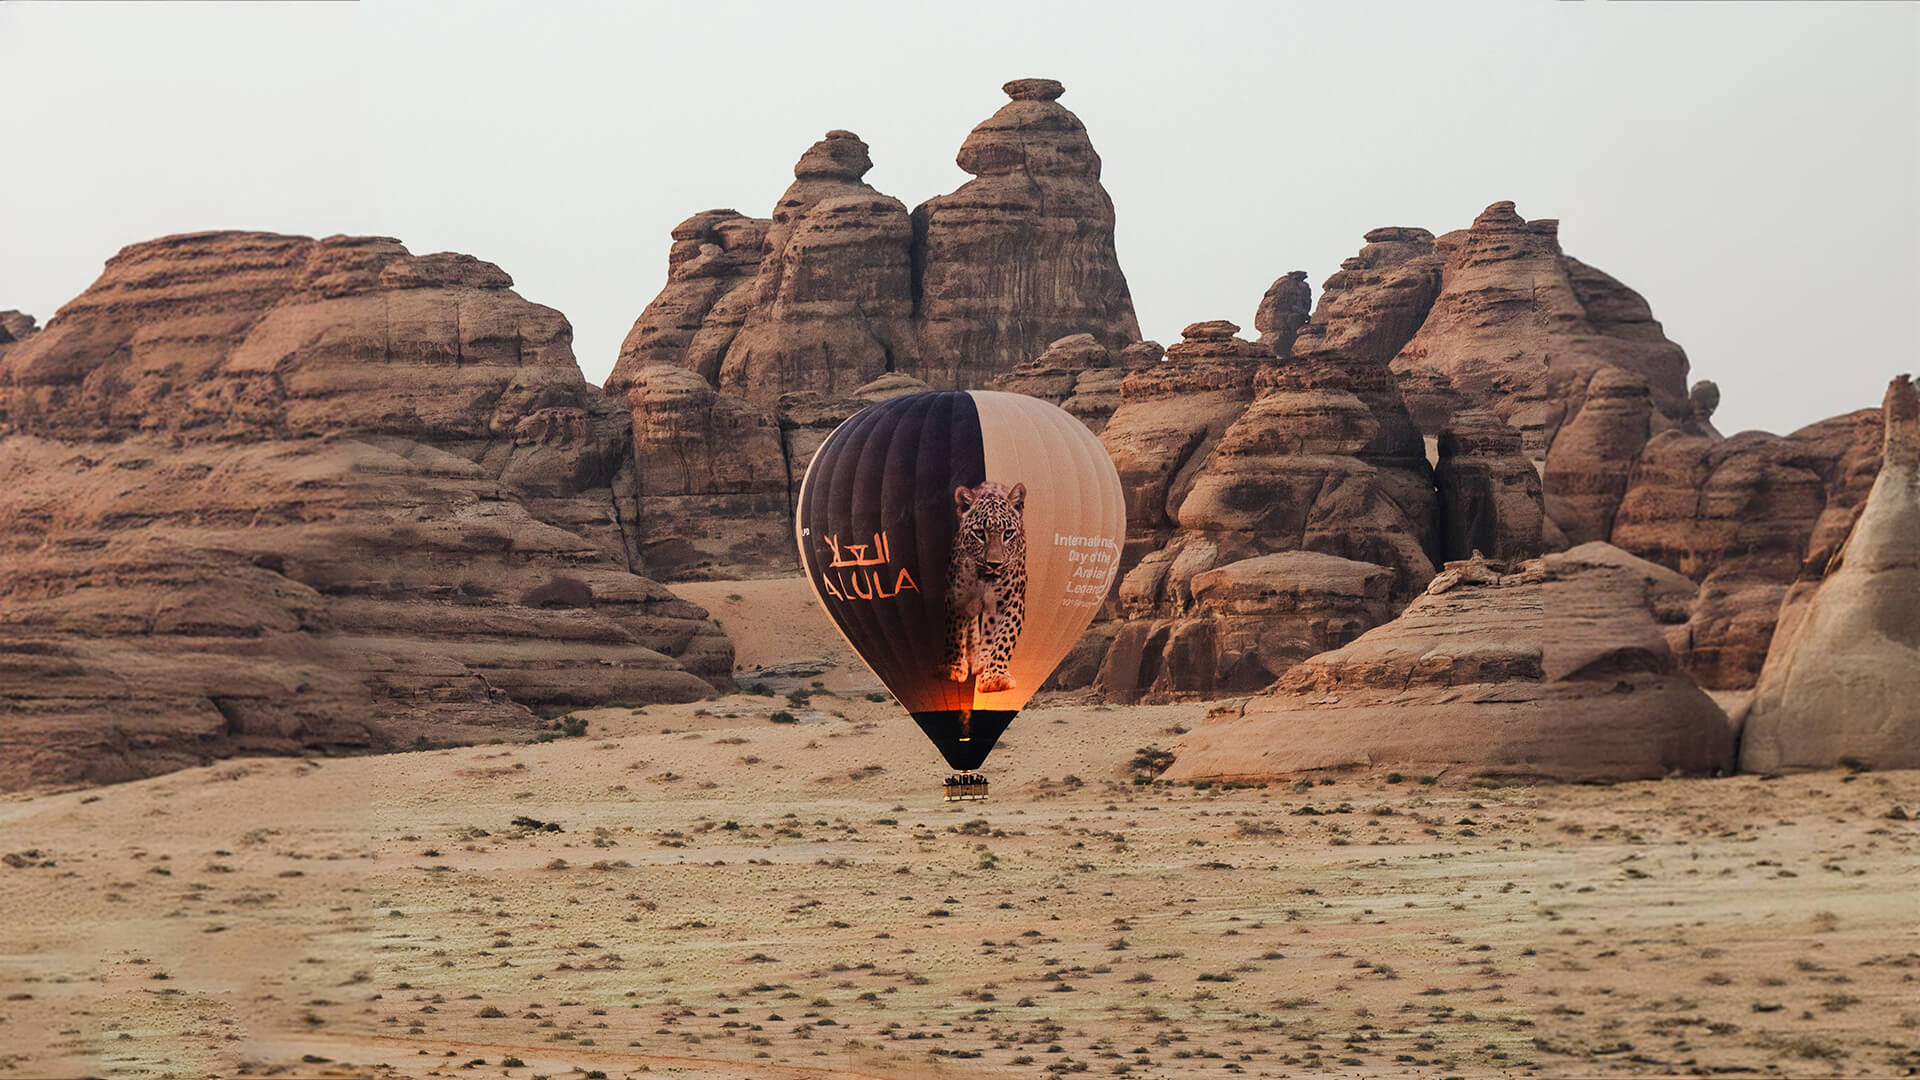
1075, 521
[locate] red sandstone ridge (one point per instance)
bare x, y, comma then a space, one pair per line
1229, 456
1523, 328
841, 285
267, 493
1497, 317
1554, 668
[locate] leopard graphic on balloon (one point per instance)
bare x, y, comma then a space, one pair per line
961, 541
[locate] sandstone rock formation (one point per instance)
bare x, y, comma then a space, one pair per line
1283, 311
1194, 632
1496, 317
15, 326
1555, 669
1489, 493
841, 286
1374, 305
710, 477
1586, 470
1080, 375
1171, 415
715, 476
272, 493
1842, 682
715, 255
1229, 454
832, 301
1522, 328
1740, 516
1022, 254
1314, 465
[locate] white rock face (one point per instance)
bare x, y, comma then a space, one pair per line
1842, 680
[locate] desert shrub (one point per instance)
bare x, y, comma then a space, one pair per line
1150, 761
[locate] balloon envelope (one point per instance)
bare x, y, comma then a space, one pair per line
962, 541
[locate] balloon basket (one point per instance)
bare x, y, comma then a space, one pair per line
965, 787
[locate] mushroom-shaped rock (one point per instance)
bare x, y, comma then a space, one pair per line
1022, 254
831, 304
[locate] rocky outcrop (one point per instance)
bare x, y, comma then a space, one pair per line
1555, 668
1702, 401
1283, 311
715, 476
1313, 465
1194, 632
1228, 454
273, 493
1592, 457
710, 478
832, 300
1022, 254
716, 254
1080, 375
1489, 493
1740, 516
1842, 679
1496, 317
1523, 329
1171, 416
1374, 305
15, 326
841, 286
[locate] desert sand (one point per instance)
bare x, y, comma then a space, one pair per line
724, 895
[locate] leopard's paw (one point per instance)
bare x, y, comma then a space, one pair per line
991, 684
955, 673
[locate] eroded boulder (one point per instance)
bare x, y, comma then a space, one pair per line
1553, 668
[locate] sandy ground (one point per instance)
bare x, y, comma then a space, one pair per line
730, 896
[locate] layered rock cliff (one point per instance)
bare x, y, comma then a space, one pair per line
1740, 516
272, 493
1231, 456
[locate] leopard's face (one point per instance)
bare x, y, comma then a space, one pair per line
991, 534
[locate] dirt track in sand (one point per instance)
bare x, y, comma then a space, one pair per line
735, 897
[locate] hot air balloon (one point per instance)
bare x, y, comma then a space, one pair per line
962, 541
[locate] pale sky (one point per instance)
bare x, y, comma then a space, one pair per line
1752, 169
